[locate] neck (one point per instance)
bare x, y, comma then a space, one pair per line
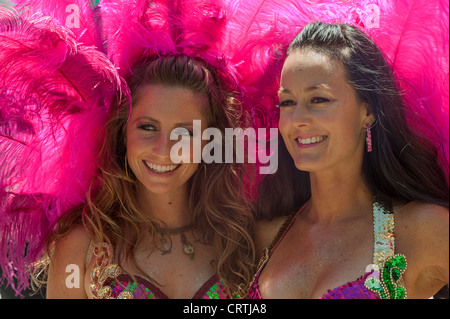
339, 195
171, 209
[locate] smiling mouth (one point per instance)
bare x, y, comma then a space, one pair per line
311, 140
161, 168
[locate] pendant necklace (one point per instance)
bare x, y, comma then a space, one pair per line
166, 240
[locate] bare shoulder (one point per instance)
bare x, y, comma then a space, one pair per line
422, 219
266, 230
422, 235
68, 258
74, 245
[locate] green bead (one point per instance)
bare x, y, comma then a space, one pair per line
401, 293
373, 284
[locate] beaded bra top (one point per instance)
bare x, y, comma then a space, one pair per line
382, 281
108, 281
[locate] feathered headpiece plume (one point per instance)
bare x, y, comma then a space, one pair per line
54, 100
414, 35
246, 41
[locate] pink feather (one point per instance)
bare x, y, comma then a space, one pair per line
414, 34
54, 102
82, 17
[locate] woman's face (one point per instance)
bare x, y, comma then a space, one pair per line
159, 110
322, 121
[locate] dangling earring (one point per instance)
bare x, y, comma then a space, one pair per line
369, 138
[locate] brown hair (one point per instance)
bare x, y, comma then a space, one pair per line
219, 199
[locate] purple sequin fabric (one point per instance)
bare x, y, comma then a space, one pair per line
351, 290
143, 289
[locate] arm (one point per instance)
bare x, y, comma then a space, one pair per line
422, 235
67, 268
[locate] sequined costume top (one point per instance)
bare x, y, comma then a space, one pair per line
383, 281
108, 281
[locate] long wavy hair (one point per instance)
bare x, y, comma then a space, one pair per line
219, 192
404, 165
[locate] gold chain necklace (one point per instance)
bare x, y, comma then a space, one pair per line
166, 241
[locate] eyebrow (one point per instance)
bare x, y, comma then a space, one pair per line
285, 91
148, 118
184, 124
318, 87
309, 89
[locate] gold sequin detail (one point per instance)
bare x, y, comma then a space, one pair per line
103, 271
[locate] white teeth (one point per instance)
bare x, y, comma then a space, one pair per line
311, 140
160, 168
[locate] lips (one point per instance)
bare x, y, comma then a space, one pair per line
161, 169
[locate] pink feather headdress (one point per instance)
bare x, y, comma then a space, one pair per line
59, 85
54, 100
414, 35
244, 40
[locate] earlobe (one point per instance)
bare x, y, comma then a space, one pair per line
369, 115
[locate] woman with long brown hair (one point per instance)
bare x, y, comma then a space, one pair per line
177, 230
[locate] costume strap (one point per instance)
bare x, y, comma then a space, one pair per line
284, 229
386, 280
268, 251
384, 242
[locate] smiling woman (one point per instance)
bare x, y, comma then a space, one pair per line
321, 117
166, 212
155, 114
351, 163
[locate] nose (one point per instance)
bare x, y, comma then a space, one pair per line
301, 115
161, 145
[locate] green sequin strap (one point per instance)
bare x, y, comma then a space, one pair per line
384, 244
386, 280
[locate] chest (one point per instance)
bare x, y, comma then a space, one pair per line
173, 275
318, 259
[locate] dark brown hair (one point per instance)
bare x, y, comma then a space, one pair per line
403, 166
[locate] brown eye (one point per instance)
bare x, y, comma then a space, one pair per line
286, 103
318, 100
